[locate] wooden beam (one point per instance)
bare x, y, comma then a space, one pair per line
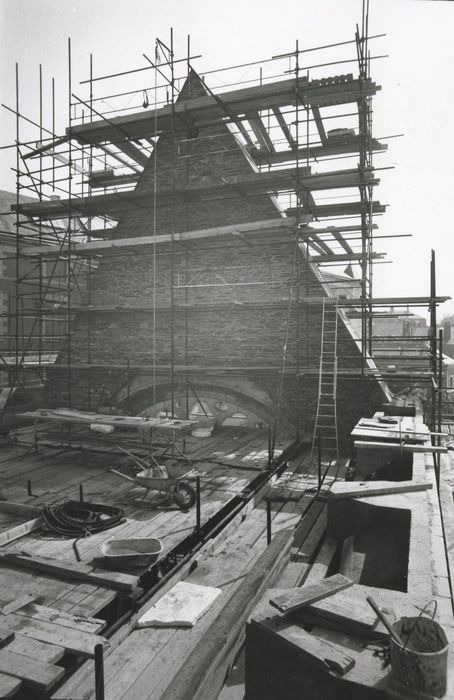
319, 246
364, 489
341, 257
97, 247
333, 230
117, 157
37, 674
132, 151
296, 598
91, 625
197, 678
270, 182
319, 124
9, 685
14, 533
260, 131
50, 145
285, 130
317, 152
333, 211
111, 180
19, 509
205, 110
245, 134
340, 239
76, 641
376, 301
42, 651
72, 571
401, 447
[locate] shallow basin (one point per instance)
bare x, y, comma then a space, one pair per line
134, 551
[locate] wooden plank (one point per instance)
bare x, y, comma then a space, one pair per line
363, 489
73, 640
401, 447
299, 597
9, 686
277, 631
222, 637
340, 239
260, 131
140, 157
321, 565
73, 571
316, 151
42, 651
134, 655
285, 130
38, 674
345, 257
6, 635
17, 603
275, 94
14, 533
319, 123
95, 247
19, 509
91, 625
347, 611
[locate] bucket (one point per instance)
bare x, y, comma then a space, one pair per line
422, 663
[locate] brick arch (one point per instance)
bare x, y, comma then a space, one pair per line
255, 400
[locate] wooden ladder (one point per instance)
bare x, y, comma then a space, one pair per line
325, 425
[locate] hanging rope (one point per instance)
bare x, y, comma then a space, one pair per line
155, 158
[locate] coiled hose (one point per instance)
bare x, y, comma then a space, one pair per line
80, 519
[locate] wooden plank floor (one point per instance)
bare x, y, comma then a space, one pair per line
145, 664
57, 477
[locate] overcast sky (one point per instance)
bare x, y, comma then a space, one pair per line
417, 96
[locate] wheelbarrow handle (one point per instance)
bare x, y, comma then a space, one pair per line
129, 478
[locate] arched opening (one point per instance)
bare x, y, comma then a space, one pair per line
225, 403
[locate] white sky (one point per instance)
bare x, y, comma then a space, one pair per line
417, 96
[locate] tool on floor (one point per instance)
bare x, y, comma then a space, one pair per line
382, 617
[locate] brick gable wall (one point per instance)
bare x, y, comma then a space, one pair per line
228, 326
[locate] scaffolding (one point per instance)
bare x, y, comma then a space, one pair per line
292, 126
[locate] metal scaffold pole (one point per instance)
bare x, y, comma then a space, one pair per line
69, 230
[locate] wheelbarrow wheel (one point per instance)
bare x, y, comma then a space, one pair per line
184, 495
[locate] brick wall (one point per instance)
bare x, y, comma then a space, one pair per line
231, 295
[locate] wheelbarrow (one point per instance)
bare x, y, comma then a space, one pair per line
168, 480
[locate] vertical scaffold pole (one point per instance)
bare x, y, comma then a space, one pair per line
68, 261
433, 337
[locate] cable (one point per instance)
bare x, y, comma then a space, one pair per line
75, 519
